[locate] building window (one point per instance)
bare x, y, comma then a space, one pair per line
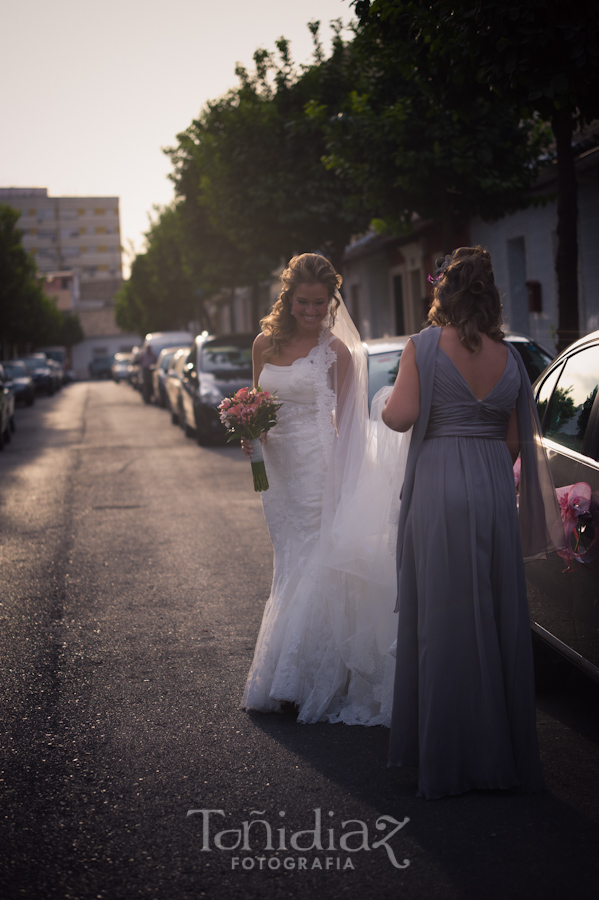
100, 212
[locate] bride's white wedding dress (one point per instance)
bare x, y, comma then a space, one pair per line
328, 624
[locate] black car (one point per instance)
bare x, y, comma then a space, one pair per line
216, 368
7, 410
101, 367
43, 375
564, 605
19, 381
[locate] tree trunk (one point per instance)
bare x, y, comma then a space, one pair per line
566, 262
447, 223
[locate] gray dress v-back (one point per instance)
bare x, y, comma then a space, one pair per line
464, 704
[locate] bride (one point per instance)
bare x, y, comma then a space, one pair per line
328, 623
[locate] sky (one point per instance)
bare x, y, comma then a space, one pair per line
92, 92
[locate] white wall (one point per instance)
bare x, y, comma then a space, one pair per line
537, 225
83, 353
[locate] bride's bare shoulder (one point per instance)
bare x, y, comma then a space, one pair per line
261, 342
340, 349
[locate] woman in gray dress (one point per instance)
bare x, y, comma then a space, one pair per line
464, 702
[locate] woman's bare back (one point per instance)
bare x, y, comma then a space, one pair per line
481, 370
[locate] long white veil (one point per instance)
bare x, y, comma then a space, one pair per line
359, 532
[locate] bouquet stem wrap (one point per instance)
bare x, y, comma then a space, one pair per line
258, 468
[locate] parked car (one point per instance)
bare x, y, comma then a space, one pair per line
7, 410
101, 367
120, 367
159, 375
44, 378
20, 381
59, 355
217, 368
134, 369
58, 372
174, 383
565, 607
384, 354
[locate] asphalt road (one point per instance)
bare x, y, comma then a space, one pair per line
134, 567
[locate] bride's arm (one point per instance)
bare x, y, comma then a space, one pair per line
260, 345
403, 406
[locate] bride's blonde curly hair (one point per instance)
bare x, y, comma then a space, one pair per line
465, 296
308, 268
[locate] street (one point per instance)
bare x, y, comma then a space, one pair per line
134, 569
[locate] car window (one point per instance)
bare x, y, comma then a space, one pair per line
382, 371
226, 359
545, 391
572, 399
535, 358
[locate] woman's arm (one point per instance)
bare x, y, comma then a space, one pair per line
403, 406
513, 436
258, 348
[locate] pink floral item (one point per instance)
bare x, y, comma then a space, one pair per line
247, 415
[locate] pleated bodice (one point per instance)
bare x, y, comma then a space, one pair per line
455, 411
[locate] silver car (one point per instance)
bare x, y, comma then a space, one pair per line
384, 353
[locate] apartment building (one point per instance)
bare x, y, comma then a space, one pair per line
69, 233
76, 245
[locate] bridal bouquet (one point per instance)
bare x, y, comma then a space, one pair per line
248, 414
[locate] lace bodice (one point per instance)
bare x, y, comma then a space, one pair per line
306, 390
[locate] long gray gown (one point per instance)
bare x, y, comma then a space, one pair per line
464, 704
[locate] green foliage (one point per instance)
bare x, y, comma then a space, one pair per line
540, 56
252, 163
424, 136
162, 293
28, 317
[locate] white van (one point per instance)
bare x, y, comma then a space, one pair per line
159, 340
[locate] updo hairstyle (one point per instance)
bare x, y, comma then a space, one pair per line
465, 296
308, 268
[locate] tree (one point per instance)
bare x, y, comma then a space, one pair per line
418, 151
162, 293
540, 55
252, 162
28, 316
